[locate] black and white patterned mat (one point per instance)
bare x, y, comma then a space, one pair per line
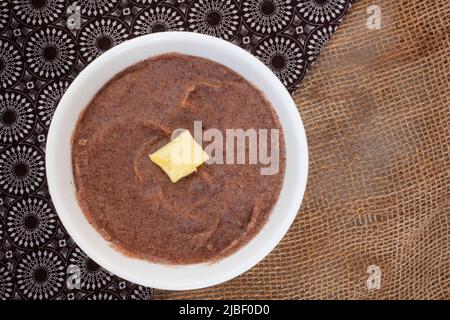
44, 44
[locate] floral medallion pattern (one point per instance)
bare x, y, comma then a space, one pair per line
44, 45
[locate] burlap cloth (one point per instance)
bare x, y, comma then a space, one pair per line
376, 112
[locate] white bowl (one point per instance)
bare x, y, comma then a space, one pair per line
61, 182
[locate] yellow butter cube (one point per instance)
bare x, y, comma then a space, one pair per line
180, 157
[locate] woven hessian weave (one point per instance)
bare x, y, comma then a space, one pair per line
376, 112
